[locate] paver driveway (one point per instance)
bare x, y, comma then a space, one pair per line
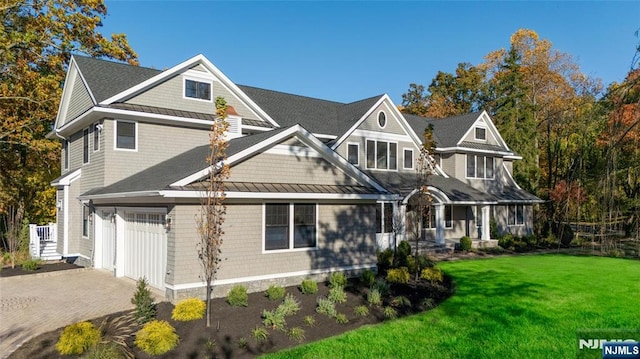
34, 304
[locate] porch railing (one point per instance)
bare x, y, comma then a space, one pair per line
40, 235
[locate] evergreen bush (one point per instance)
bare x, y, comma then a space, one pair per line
189, 309
145, 308
385, 261
238, 297
465, 243
157, 337
275, 292
309, 286
398, 275
433, 275
367, 278
77, 338
337, 279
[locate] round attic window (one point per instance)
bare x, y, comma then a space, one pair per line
382, 119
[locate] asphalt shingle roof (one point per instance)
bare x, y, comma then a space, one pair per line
316, 115
107, 78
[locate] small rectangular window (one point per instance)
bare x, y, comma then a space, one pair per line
197, 89
408, 159
471, 166
85, 221
515, 215
126, 135
381, 152
85, 145
65, 148
371, 154
352, 153
448, 216
393, 156
96, 137
481, 133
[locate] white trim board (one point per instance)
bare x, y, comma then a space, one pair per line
268, 277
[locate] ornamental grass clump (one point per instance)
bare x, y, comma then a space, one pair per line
238, 297
337, 294
361, 311
289, 306
367, 278
309, 286
326, 307
337, 279
374, 297
273, 319
275, 292
189, 309
296, 334
77, 338
157, 337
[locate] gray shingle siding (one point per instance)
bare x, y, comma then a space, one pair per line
80, 99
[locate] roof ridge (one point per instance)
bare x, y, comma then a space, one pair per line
295, 95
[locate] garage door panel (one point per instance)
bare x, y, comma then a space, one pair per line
145, 248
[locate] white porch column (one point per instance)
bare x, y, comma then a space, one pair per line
120, 233
439, 223
97, 238
402, 219
486, 229
65, 230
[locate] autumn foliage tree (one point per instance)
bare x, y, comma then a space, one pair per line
213, 209
37, 38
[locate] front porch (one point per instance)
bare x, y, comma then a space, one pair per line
43, 242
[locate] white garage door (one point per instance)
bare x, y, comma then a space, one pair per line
145, 247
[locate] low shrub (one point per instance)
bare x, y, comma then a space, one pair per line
531, 240
260, 335
520, 246
382, 286
145, 308
385, 261
465, 244
273, 319
506, 241
390, 312
337, 279
296, 334
309, 286
189, 309
238, 297
242, 343
337, 294
433, 275
104, 351
428, 303
326, 307
157, 337
398, 275
309, 320
275, 292
341, 318
30, 265
367, 278
402, 253
374, 297
361, 311
400, 301
289, 306
424, 261
77, 338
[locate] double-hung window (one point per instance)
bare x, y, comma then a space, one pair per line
126, 135
480, 166
197, 89
290, 226
448, 216
85, 145
353, 155
382, 155
384, 217
408, 159
516, 215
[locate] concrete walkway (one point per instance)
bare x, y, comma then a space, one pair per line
34, 304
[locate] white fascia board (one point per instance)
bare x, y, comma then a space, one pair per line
438, 194
513, 157
121, 195
281, 195
328, 137
69, 178
256, 128
68, 88
459, 149
176, 70
440, 171
520, 201
377, 135
509, 177
393, 111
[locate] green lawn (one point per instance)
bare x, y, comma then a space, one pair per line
508, 307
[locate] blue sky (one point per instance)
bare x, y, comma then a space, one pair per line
346, 51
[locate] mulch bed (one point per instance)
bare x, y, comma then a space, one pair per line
230, 324
42, 268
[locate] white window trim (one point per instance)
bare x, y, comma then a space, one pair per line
357, 164
204, 79
515, 220
291, 229
96, 130
88, 138
445, 216
485, 133
386, 119
115, 137
412, 158
466, 163
376, 146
